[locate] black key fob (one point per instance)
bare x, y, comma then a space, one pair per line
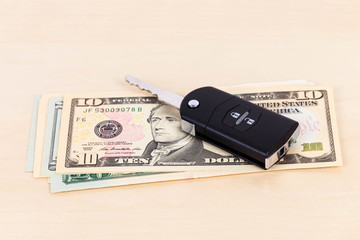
239, 127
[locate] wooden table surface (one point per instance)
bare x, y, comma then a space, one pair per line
72, 45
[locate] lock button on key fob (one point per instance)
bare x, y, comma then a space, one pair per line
233, 116
241, 118
249, 120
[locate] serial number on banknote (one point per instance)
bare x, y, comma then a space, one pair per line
112, 109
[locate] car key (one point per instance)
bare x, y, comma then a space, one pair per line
239, 127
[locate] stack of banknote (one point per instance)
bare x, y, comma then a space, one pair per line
94, 140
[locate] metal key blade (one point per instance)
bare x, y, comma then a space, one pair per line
165, 96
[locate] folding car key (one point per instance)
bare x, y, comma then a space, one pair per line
242, 128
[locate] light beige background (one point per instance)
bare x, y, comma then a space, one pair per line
71, 45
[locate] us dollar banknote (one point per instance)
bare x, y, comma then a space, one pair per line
40, 133
69, 182
133, 132
51, 139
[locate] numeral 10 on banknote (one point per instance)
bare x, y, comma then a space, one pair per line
87, 158
309, 95
315, 146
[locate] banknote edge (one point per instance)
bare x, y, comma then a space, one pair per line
29, 167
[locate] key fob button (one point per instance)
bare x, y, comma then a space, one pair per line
234, 115
250, 120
